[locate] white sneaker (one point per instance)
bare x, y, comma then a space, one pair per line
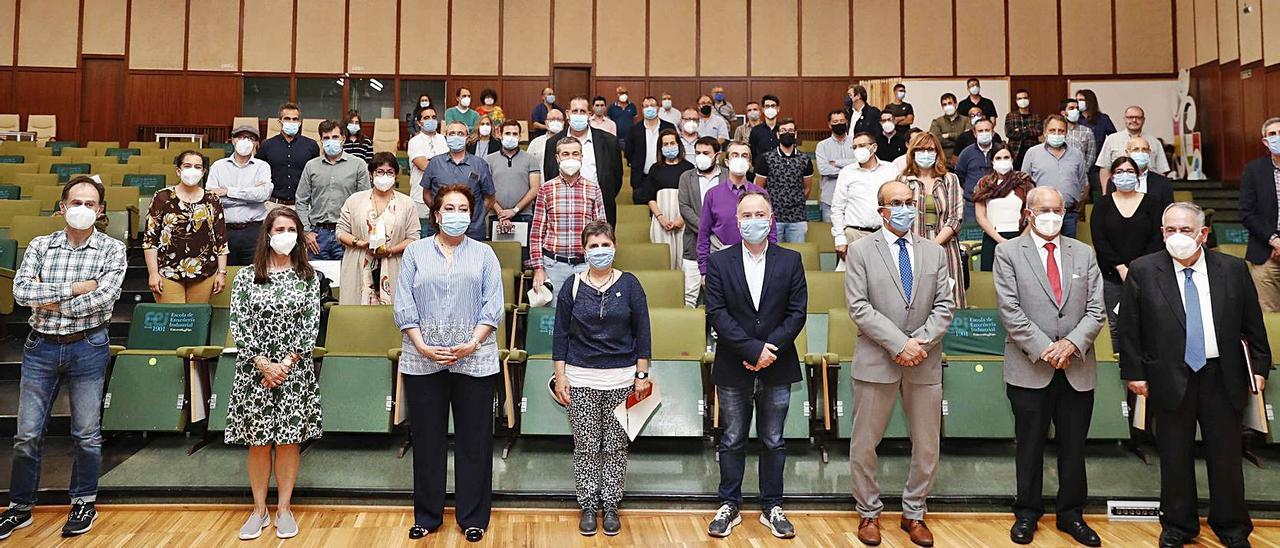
254, 526
286, 526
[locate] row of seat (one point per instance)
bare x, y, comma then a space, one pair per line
45, 126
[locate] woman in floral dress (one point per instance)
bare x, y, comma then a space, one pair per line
275, 400
375, 227
185, 242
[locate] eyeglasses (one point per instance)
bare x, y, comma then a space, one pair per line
1056, 210
900, 203
1129, 171
385, 172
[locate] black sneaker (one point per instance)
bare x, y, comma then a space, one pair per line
612, 523
12, 520
777, 522
727, 517
80, 520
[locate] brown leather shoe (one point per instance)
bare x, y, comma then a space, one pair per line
918, 531
869, 531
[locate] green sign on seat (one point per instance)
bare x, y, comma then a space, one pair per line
66, 171
970, 232
404, 164
975, 331
122, 154
10, 192
147, 184
9, 254
1230, 233
166, 327
540, 328
12, 159
57, 146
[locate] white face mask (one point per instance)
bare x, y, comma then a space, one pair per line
703, 162
244, 147
1002, 166
555, 126
739, 165
690, 126
488, 100
1084, 105
975, 90
1024, 103
464, 102
948, 109
384, 182
570, 166
902, 95
486, 130
770, 113
80, 217
1048, 224
622, 98
191, 176
887, 127
862, 154
666, 103
1181, 246
283, 242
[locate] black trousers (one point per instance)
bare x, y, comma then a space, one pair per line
1070, 413
1205, 402
430, 398
242, 244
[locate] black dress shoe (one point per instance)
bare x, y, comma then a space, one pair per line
474, 534
1173, 538
417, 531
612, 523
1081, 533
1023, 531
587, 523
1235, 542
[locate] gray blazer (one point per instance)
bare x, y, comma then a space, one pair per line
1034, 320
885, 320
690, 197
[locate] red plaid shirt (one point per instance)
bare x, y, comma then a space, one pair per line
563, 209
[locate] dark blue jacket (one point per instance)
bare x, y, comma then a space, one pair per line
742, 330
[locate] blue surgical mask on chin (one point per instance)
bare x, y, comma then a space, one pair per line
455, 223
600, 258
754, 231
902, 217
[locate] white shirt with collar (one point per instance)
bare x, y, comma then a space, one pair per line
588, 156
891, 240
1044, 253
1142, 182
1200, 275
705, 182
651, 144
753, 265
854, 201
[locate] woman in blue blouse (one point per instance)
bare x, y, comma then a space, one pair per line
601, 349
448, 304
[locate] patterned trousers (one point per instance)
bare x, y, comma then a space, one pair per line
599, 447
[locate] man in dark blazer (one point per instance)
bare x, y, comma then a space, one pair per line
1186, 312
864, 117
603, 162
756, 298
639, 149
1258, 214
1153, 184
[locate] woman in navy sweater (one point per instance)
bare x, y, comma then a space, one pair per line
601, 349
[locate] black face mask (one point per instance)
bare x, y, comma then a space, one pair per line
705, 110
787, 139
840, 129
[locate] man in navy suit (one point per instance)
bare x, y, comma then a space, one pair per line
756, 299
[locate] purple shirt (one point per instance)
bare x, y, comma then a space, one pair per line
720, 217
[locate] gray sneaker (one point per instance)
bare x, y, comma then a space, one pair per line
286, 526
253, 527
777, 523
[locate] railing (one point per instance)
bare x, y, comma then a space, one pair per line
212, 133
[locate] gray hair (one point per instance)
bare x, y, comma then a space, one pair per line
762, 195
1270, 121
1037, 191
567, 140
1185, 206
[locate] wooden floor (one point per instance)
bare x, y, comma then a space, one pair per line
378, 526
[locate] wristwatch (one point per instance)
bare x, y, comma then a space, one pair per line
642, 375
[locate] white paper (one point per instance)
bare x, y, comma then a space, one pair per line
1255, 413
1139, 414
634, 419
330, 269
519, 232
196, 393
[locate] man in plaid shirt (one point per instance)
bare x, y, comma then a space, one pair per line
70, 279
564, 207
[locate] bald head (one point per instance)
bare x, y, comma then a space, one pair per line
893, 190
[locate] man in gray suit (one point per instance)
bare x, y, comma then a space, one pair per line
693, 185
899, 295
1050, 293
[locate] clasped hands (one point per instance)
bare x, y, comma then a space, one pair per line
1059, 354
448, 355
274, 373
768, 355
913, 353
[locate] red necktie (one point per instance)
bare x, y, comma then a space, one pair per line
1051, 268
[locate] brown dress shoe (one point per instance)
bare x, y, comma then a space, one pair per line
918, 531
869, 531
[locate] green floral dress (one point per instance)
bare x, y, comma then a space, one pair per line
274, 319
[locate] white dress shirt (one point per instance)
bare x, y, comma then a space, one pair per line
588, 156
854, 202
651, 144
705, 182
754, 270
248, 188
1200, 275
1142, 182
1044, 254
423, 146
892, 240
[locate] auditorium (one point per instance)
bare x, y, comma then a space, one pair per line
852, 272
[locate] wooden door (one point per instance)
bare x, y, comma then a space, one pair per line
102, 100
571, 81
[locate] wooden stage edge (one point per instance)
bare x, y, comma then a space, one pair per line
199, 525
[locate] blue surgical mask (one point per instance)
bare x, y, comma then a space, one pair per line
510, 141
1273, 144
600, 258
753, 231
670, 152
332, 147
430, 126
290, 128
455, 223
1126, 182
455, 142
353, 128
984, 138
578, 122
650, 113
551, 98
719, 97
926, 158
902, 217
1055, 140
1141, 158
1073, 115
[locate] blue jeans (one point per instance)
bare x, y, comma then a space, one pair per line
792, 232
1069, 223
46, 365
735, 417
330, 247
558, 274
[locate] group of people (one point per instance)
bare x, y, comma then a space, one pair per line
897, 199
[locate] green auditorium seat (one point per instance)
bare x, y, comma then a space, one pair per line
13, 208
10, 192
122, 155
662, 288
808, 254
820, 233
8, 266
843, 336
1110, 408
982, 290
47, 196
974, 404
147, 184
634, 215
27, 228
826, 289
798, 410
7, 171
29, 182
1272, 390
509, 254
149, 387
66, 171
1235, 250
643, 256
357, 382
12, 159
101, 147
